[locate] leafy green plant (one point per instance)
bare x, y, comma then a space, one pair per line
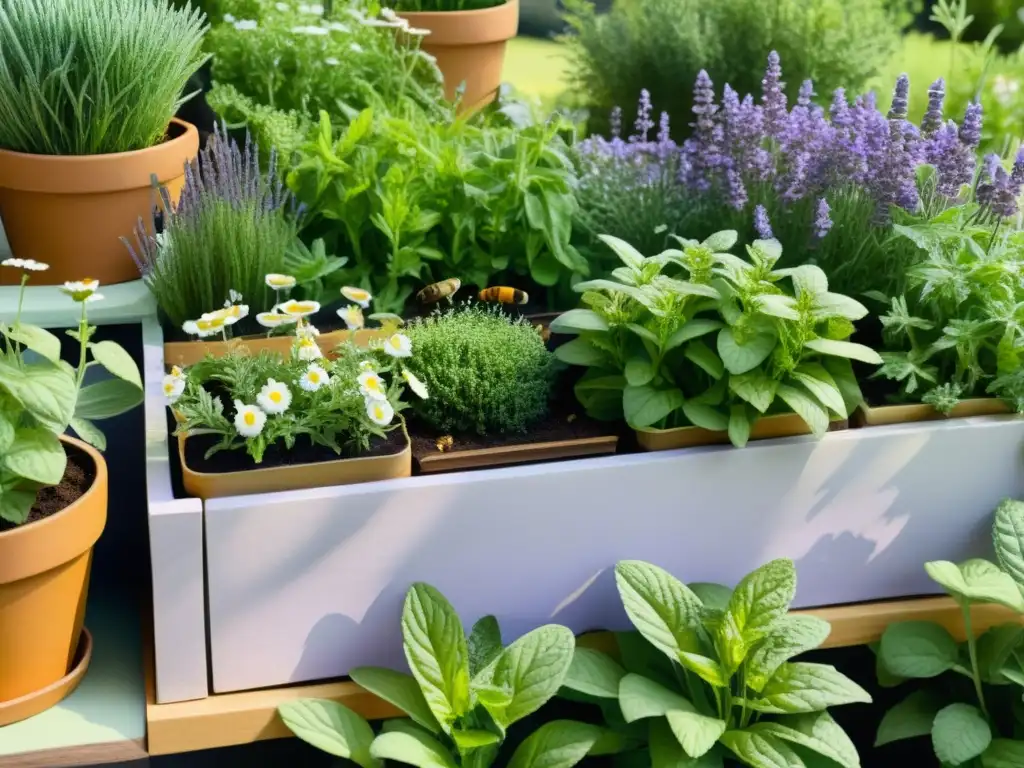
487, 372
41, 397
415, 199
656, 44
462, 697
93, 78
442, 5
709, 670
970, 706
644, 333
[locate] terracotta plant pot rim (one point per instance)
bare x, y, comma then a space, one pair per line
91, 174
41, 545
484, 25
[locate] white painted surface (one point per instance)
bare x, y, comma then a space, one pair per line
47, 307
176, 550
306, 585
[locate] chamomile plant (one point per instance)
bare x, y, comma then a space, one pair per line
697, 336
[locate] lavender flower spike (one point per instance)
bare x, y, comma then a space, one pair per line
900, 94
762, 226
772, 97
616, 123
644, 124
1017, 175
998, 192
932, 121
822, 220
803, 98
970, 131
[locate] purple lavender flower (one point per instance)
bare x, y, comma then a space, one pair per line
893, 181
997, 191
932, 121
737, 190
1017, 175
616, 123
822, 219
839, 112
701, 149
898, 110
762, 226
643, 124
970, 131
805, 94
773, 97
953, 162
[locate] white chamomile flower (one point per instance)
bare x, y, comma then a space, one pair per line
274, 319
358, 295
246, 25
310, 30
389, 14
279, 282
306, 331
35, 266
417, 386
204, 327
299, 308
249, 419
337, 26
315, 9
353, 317
398, 345
173, 387
367, 365
372, 386
307, 349
330, 61
275, 397
229, 18
81, 290
230, 314
314, 378
380, 412
16, 263
177, 372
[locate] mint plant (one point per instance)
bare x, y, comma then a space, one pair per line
708, 672
461, 698
698, 336
972, 709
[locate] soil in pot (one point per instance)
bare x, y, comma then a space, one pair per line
78, 478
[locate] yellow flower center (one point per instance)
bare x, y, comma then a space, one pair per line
306, 343
168, 388
378, 412
249, 418
396, 342
275, 397
373, 383
314, 377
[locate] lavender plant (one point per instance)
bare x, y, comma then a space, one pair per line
231, 227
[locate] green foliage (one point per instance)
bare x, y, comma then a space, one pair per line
40, 398
461, 697
971, 709
646, 336
406, 6
710, 671
659, 44
486, 372
956, 332
415, 198
89, 78
273, 129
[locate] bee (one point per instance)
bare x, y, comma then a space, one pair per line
446, 289
545, 333
445, 443
504, 295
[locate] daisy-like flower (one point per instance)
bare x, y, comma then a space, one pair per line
398, 345
280, 282
34, 266
177, 372
314, 378
353, 317
358, 295
307, 349
230, 314
16, 263
204, 326
275, 397
367, 365
299, 308
173, 387
417, 386
81, 290
249, 419
306, 331
380, 412
372, 386
246, 25
274, 319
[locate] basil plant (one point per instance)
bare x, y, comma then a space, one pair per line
41, 395
707, 679
461, 698
697, 336
972, 709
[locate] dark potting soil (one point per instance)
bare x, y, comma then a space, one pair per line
304, 452
79, 475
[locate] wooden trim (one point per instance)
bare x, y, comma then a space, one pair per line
86, 754
505, 455
239, 718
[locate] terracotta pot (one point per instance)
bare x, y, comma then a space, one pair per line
869, 416
469, 47
186, 353
44, 579
296, 477
71, 212
765, 428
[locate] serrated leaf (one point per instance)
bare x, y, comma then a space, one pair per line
640, 698
332, 728
761, 598
594, 673
412, 748
691, 330
1003, 753
813, 414
1008, 537
117, 361
577, 320
740, 358
847, 349
533, 668
788, 637
661, 607
977, 580
761, 750
399, 690
816, 731
909, 719
801, 686
645, 406
917, 649
960, 733
558, 744
700, 354
696, 733
705, 416
756, 387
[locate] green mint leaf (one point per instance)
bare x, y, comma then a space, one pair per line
89, 432
118, 362
484, 644
15, 506
629, 255
646, 405
594, 674
841, 371
691, 330
580, 352
909, 719
399, 690
36, 455
816, 380
777, 305
705, 416
838, 305
807, 278
761, 750
1008, 537
721, 241
816, 731
707, 669
331, 727
577, 320
435, 647
558, 744
977, 580
740, 358
756, 387
667, 752
46, 391
994, 649
801, 686
790, 636
533, 668
6, 432
640, 698
739, 426
696, 733
808, 409
39, 340
960, 733
474, 739
917, 649
846, 349
761, 598
661, 607
701, 355
412, 748
713, 596
1003, 753
639, 370
107, 399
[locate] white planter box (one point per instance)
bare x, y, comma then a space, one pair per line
306, 585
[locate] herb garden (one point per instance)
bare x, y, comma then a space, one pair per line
662, 387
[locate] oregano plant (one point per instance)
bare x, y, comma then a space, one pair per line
971, 707
709, 673
461, 698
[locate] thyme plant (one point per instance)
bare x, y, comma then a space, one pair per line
96, 77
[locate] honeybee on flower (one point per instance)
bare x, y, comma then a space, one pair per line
274, 397
353, 317
380, 412
357, 295
398, 345
249, 419
314, 378
372, 386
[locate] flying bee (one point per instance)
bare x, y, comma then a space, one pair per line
446, 289
502, 294
444, 443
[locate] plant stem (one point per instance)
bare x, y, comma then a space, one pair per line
972, 651
83, 340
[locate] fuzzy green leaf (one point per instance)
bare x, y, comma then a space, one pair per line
641, 697
761, 750
909, 719
760, 599
977, 580
484, 644
332, 728
696, 733
661, 607
801, 686
708, 670
960, 733
412, 748
816, 731
594, 673
756, 387
917, 649
645, 406
558, 744
533, 668
786, 638
399, 690
740, 358
847, 349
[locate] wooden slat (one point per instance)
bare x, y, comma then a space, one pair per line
505, 455
89, 754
